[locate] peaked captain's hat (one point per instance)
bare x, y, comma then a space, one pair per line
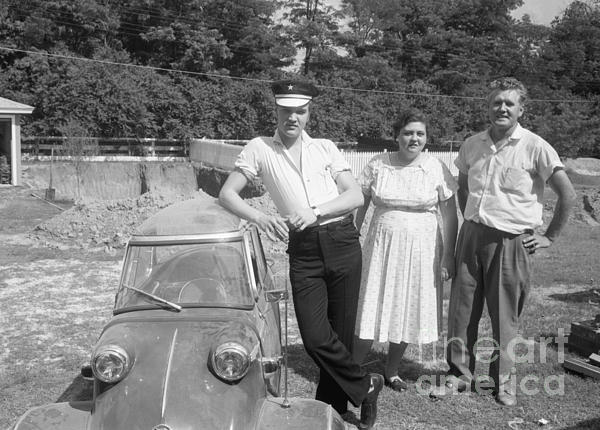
290, 93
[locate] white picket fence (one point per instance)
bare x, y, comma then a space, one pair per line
222, 155
358, 160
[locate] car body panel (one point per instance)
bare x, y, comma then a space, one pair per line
301, 415
71, 415
194, 277
170, 381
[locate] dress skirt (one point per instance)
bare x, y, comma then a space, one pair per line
401, 292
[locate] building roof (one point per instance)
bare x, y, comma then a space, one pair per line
11, 107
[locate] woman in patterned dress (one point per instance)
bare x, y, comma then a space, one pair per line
405, 259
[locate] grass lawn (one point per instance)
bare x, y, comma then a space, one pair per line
566, 288
53, 305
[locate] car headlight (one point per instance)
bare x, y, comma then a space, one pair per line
110, 363
230, 361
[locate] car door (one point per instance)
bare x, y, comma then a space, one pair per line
270, 328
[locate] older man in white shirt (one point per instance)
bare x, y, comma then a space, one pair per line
502, 175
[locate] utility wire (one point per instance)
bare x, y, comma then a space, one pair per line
129, 28
138, 66
445, 53
268, 81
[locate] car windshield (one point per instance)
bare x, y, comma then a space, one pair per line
205, 274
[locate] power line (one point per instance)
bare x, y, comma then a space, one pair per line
268, 81
129, 28
115, 63
446, 53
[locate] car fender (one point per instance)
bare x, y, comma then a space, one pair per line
301, 414
56, 416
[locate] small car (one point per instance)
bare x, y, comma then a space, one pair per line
195, 337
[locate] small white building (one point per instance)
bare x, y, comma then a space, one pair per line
10, 138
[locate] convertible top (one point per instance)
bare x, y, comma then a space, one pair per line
189, 217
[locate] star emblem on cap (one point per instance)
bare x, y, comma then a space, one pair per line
290, 87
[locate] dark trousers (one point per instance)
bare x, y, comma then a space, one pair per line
325, 268
492, 266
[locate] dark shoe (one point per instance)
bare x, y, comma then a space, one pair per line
454, 385
368, 409
506, 397
396, 384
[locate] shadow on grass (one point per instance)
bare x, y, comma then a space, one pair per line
410, 371
587, 296
78, 390
593, 423
302, 364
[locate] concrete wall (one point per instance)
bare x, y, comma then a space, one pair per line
119, 180
214, 153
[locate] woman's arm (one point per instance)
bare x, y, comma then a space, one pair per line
450, 226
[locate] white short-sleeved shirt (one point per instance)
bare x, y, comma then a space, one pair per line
290, 188
417, 187
506, 184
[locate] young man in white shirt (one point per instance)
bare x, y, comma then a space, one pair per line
315, 193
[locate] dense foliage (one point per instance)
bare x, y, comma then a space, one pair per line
202, 68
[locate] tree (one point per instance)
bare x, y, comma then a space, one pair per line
571, 56
77, 144
193, 35
313, 27
482, 17
82, 27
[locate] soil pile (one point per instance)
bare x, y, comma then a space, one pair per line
587, 206
110, 224
106, 224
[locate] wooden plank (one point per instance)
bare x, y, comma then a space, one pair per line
582, 345
587, 330
582, 367
595, 359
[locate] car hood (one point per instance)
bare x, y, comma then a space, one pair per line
170, 382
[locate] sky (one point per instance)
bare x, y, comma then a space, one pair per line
542, 11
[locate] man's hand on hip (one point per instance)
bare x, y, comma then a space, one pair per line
536, 241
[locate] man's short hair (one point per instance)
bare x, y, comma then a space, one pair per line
507, 84
406, 117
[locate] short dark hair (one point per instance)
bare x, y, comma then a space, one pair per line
406, 117
506, 84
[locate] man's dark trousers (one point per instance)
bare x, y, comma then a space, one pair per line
325, 269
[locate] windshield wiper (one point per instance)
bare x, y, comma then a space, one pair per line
171, 305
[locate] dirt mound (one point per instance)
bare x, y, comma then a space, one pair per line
106, 224
585, 211
583, 171
110, 224
584, 166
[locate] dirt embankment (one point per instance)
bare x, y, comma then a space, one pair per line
97, 223
108, 225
